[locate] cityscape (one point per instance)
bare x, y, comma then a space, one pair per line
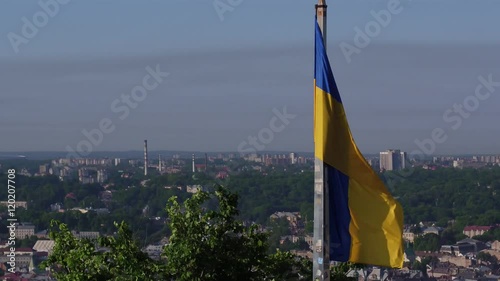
111, 178
182, 140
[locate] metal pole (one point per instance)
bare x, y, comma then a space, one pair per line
321, 8
321, 250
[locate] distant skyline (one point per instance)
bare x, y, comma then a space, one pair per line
225, 78
200, 155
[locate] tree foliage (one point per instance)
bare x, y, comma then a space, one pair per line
490, 235
468, 196
107, 258
206, 244
427, 242
339, 272
487, 257
215, 245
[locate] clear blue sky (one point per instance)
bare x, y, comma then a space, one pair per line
227, 76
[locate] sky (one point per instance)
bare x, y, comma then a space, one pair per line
232, 72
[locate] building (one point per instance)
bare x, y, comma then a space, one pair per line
43, 234
433, 229
25, 230
404, 159
292, 217
475, 230
23, 257
154, 251
409, 235
495, 246
44, 169
392, 160
25, 172
463, 247
86, 234
102, 176
458, 164
17, 204
309, 240
193, 188
87, 175
44, 246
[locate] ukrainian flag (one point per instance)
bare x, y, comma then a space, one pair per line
366, 222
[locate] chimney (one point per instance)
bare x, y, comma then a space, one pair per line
145, 157
194, 168
206, 162
159, 163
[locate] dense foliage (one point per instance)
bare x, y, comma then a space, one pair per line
116, 258
468, 196
211, 244
260, 196
206, 244
428, 242
450, 197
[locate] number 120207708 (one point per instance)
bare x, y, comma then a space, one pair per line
11, 190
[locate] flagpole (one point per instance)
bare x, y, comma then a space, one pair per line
321, 248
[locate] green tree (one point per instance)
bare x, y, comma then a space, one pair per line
428, 242
214, 245
205, 245
76, 259
422, 266
339, 271
487, 257
27, 242
448, 237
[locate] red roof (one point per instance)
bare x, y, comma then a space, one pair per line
7, 249
477, 227
221, 175
70, 195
